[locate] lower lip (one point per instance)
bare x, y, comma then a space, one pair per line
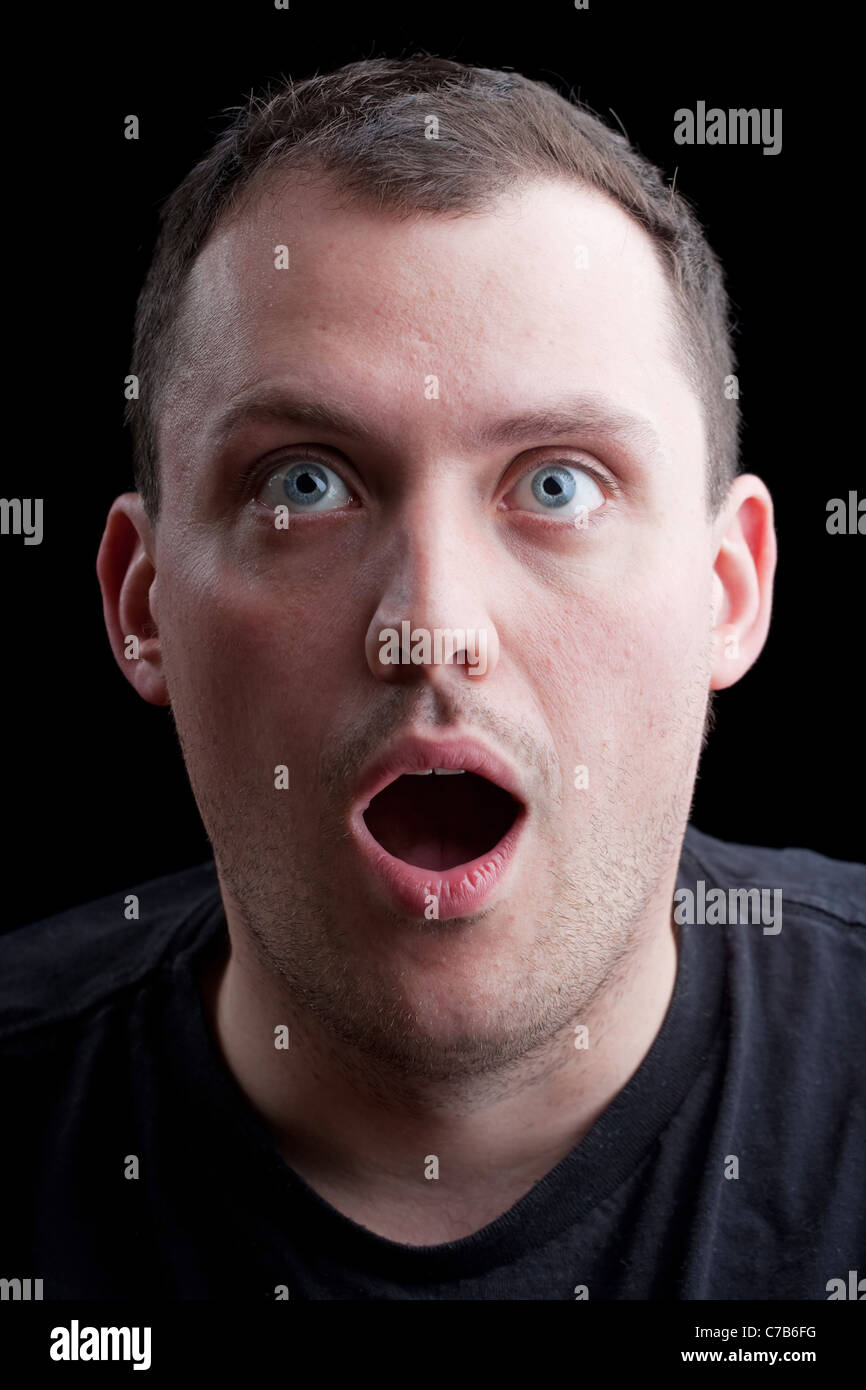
459, 891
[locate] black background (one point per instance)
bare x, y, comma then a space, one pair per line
95, 786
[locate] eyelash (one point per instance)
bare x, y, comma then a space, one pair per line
606, 483
257, 474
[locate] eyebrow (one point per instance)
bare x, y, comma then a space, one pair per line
587, 412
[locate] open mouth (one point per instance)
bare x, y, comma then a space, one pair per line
441, 819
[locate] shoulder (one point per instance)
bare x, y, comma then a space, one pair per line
794, 925
793, 1098
55, 969
796, 960
813, 887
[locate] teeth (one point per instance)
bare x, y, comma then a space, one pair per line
440, 771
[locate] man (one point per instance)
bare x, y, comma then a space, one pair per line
438, 554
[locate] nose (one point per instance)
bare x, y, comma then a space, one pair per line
433, 621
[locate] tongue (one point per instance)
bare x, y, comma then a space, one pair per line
433, 853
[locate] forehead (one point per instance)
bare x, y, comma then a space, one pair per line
549, 290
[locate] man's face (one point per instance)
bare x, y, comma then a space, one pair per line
595, 612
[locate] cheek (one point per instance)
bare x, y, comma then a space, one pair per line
617, 670
247, 660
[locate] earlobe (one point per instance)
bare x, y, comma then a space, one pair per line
127, 577
745, 564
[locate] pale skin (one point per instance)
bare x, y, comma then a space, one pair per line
407, 1038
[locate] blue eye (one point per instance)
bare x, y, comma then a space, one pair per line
306, 486
563, 489
305, 483
554, 486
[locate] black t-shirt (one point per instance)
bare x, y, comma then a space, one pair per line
730, 1166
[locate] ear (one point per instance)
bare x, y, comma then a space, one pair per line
744, 567
126, 568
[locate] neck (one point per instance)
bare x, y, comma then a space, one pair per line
368, 1139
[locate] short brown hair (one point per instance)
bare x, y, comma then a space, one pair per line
364, 126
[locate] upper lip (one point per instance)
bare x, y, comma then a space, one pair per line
414, 754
